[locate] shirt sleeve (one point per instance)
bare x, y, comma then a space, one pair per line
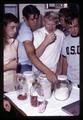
27, 35
36, 40
63, 52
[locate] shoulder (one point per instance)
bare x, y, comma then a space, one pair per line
59, 32
67, 40
38, 31
23, 27
15, 43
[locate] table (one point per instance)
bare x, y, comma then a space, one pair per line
53, 108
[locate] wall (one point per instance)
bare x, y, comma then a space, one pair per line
13, 8
41, 7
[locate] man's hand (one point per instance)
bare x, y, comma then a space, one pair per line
50, 38
51, 76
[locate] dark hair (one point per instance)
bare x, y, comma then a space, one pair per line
30, 9
71, 18
9, 17
64, 12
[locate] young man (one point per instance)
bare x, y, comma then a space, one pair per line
48, 42
27, 55
63, 14
71, 51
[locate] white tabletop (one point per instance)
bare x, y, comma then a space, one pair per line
53, 107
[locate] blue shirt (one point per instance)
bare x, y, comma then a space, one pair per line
24, 34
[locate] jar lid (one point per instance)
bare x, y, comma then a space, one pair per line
62, 77
28, 73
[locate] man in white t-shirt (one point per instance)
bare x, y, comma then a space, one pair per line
71, 51
48, 42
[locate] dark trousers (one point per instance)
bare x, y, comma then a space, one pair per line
23, 68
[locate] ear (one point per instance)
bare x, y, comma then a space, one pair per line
24, 18
43, 22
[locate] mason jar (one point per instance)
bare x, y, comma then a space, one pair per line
46, 85
33, 97
21, 87
62, 89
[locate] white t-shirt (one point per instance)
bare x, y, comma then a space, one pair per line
71, 49
52, 52
24, 34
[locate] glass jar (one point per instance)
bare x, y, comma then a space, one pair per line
33, 97
62, 89
41, 104
21, 87
30, 78
46, 85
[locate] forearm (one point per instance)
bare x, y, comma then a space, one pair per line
35, 61
50, 38
33, 57
38, 63
51, 76
59, 66
12, 65
41, 49
64, 65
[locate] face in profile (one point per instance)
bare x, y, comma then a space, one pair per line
74, 27
50, 25
62, 21
32, 21
10, 29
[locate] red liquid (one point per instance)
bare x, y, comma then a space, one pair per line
22, 97
34, 101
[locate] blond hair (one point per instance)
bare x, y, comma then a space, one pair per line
51, 15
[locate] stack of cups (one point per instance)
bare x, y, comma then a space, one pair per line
46, 85
30, 78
